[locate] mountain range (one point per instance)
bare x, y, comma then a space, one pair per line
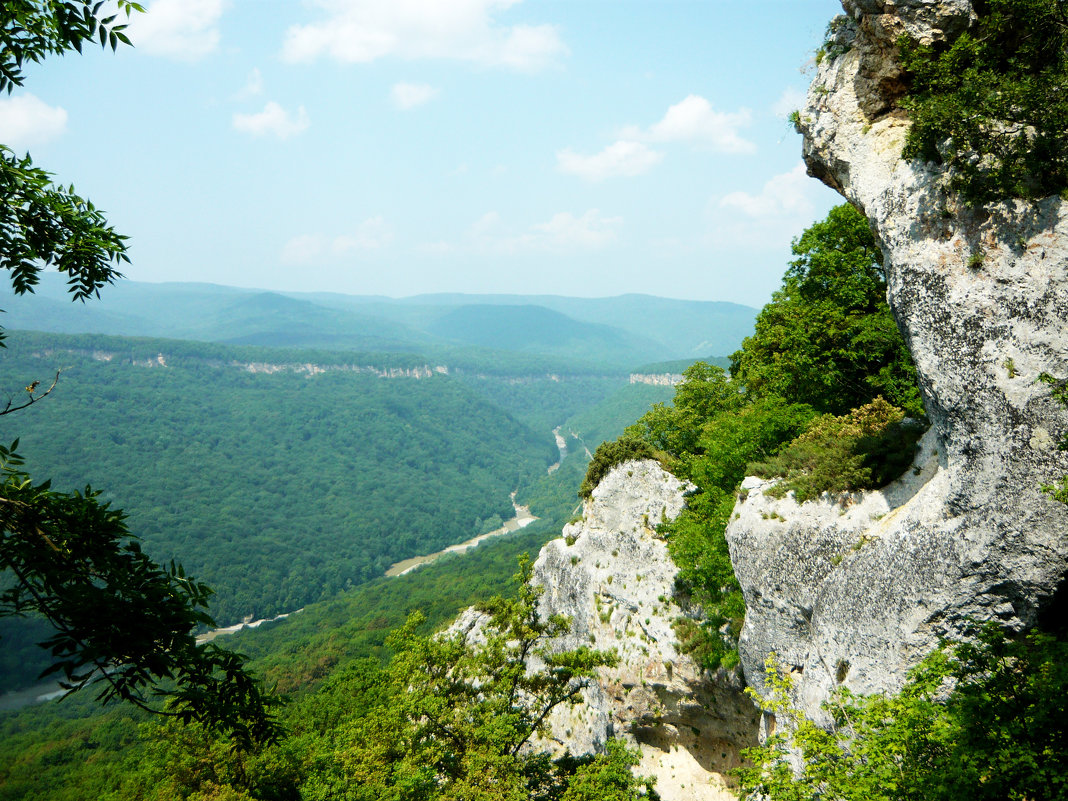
616, 331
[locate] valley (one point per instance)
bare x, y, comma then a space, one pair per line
284, 476
340, 532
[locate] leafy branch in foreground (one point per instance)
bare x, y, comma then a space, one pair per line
30, 30
1001, 734
121, 622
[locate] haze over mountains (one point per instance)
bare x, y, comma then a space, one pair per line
620, 331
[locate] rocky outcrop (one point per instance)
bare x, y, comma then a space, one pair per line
856, 591
612, 575
657, 379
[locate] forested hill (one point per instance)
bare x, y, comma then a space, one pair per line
614, 332
278, 487
283, 476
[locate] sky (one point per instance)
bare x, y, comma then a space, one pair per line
395, 147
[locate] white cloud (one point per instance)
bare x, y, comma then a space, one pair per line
694, 120
409, 95
303, 249
253, 86
766, 221
371, 234
625, 158
782, 196
563, 231
690, 120
361, 31
182, 29
485, 225
789, 101
272, 120
590, 231
26, 120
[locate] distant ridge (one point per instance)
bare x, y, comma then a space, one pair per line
616, 332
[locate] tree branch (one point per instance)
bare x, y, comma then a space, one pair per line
10, 407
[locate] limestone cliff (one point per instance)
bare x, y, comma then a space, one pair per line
613, 577
857, 592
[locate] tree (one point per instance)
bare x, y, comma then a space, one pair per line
1001, 734
827, 337
705, 391
454, 715
120, 620
992, 104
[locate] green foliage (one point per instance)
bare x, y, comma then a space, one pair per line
33, 29
727, 442
794, 118
712, 431
275, 489
1002, 734
837, 38
608, 455
120, 621
827, 337
73, 749
608, 778
865, 449
609, 418
992, 104
450, 718
539, 401
704, 391
1057, 490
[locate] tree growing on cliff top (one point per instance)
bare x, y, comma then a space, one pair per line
453, 716
827, 337
120, 620
993, 104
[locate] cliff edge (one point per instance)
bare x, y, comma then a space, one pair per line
856, 590
611, 574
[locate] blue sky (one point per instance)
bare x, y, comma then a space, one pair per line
394, 147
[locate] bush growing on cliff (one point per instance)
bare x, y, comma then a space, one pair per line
993, 104
608, 455
865, 449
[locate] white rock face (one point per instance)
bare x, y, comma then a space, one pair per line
613, 577
981, 295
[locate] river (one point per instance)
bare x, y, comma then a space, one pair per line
561, 445
17, 699
47, 691
522, 519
